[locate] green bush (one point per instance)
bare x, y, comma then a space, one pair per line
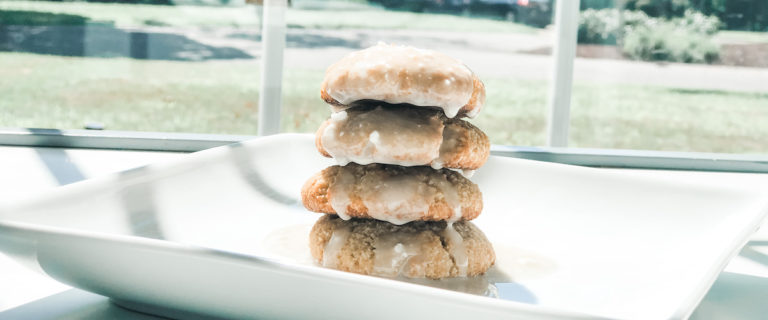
668, 42
684, 39
601, 26
698, 22
598, 26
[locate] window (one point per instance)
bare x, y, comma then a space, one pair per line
647, 74
129, 65
493, 39
672, 75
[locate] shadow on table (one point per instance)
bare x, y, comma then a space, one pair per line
137, 199
750, 253
59, 165
73, 304
734, 296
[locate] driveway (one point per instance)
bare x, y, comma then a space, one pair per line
499, 55
490, 55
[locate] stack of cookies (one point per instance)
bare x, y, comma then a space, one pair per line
398, 202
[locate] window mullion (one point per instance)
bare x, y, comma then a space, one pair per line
564, 52
273, 44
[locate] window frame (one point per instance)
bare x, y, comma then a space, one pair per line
193, 142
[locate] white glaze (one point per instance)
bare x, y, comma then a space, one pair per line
390, 135
339, 192
383, 135
457, 249
397, 199
339, 116
394, 252
402, 199
333, 247
401, 74
464, 172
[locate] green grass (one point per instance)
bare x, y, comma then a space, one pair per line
658, 118
122, 15
222, 97
59, 92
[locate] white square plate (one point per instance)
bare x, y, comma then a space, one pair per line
222, 233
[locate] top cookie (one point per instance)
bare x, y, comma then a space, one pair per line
401, 74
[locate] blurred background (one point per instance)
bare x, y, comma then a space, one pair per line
683, 75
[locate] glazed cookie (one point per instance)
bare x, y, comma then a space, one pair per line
416, 250
400, 74
392, 193
402, 135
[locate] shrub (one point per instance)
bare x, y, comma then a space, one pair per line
685, 39
598, 26
698, 22
601, 26
668, 42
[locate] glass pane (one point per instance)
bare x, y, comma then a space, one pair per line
672, 75
193, 66
154, 65
504, 42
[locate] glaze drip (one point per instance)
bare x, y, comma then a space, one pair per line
396, 252
457, 249
334, 245
339, 192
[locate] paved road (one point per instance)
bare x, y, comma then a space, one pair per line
497, 55
489, 54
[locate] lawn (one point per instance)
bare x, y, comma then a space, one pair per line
222, 97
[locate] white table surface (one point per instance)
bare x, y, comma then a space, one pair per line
738, 293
